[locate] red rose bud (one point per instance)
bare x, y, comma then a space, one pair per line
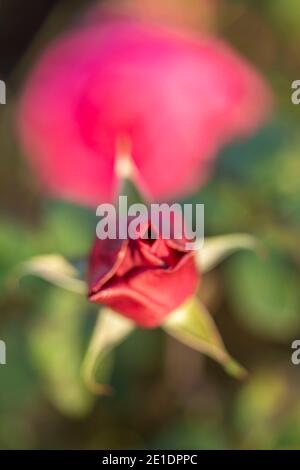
143, 279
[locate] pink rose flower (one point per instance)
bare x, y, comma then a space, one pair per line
174, 98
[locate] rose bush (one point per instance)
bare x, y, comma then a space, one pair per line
175, 97
143, 279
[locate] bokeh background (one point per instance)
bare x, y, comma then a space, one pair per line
165, 394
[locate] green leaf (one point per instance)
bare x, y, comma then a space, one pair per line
110, 329
216, 249
54, 269
68, 229
260, 400
260, 406
193, 325
265, 294
57, 347
286, 13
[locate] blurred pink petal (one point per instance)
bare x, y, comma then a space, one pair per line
177, 98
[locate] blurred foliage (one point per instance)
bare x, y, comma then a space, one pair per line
55, 343
265, 294
165, 395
